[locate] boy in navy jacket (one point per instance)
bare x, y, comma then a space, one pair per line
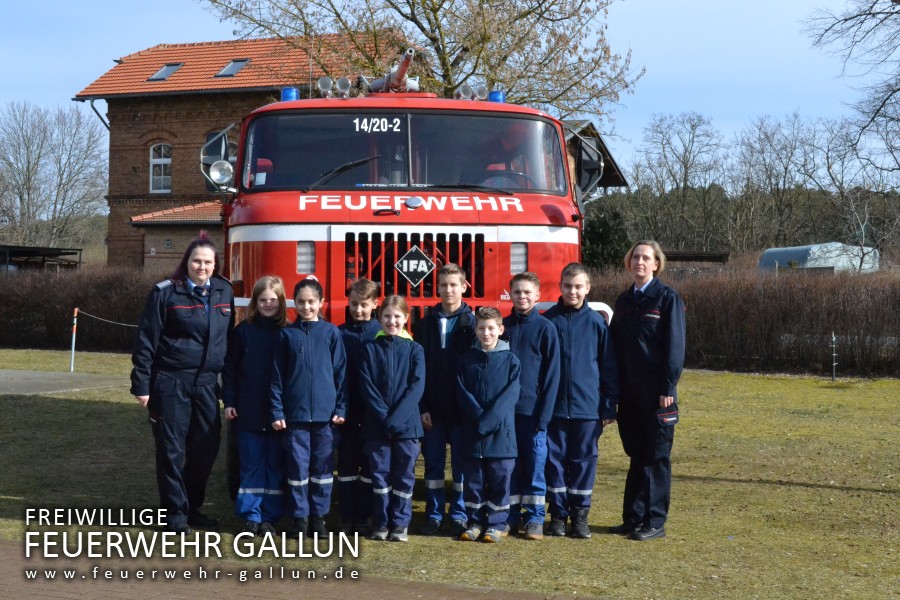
487, 392
586, 401
534, 341
307, 396
354, 486
445, 334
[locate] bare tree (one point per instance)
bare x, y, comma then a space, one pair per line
53, 172
861, 192
770, 155
548, 53
681, 161
866, 34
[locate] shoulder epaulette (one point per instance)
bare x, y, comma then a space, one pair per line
225, 279
163, 284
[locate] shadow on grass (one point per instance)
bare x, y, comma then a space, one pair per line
60, 452
782, 483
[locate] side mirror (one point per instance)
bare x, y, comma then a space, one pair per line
589, 165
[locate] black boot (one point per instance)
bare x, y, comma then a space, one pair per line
580, 527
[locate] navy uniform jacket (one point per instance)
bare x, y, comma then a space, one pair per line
308, 369
178, 337
487, 392
534, 341
247, 377
589, 376
355, 335
649, 336
392, 379
440, 363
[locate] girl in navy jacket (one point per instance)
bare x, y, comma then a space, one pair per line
391, 382
246, 383
307, 395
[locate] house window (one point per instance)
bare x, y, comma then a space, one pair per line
160, 169
233, 67
165, 72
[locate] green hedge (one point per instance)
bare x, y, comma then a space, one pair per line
37, 308
736, 321
759, 322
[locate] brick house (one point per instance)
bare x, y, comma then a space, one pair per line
163, 104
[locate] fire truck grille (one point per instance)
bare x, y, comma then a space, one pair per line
373, 255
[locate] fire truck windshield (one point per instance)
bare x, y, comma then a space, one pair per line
346, 151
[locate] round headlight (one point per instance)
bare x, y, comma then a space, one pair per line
221, 172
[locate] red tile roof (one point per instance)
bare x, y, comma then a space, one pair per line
203, 213
274, 63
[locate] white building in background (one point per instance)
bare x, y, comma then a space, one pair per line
833, 256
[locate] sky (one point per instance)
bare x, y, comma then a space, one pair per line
731, 61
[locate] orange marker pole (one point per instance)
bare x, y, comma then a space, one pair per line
74, 327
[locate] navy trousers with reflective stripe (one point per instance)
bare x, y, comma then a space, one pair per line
648, 485
434, 452
310, 472
187, 432
354, 479
528, 485
487, 490
392, 463
261, 493
571, 464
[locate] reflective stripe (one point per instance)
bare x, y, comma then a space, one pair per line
348, 479
296, 483
367, 480
326, 233
534, 500
580, 492
556, 490
381, 491
322, 480
405, 495
434, 484
259, 491
515, 499
493, 506
457, 487
473, 505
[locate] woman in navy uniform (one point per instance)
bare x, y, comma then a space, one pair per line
648, 333
178, 355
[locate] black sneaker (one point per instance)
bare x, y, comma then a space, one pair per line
201, 521
317, 527
251, 527
556, 527
399, 534
431, 527
265, 529
580, 527
458, 527
298, 526
182, 528
533, 530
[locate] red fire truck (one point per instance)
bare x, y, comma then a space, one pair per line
393, 183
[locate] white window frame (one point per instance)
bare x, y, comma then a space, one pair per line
165, 165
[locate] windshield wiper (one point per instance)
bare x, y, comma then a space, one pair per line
337, 171
469, 186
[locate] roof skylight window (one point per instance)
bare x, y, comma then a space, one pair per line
165, 72
233, 67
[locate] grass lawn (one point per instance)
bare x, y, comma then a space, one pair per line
784, 487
